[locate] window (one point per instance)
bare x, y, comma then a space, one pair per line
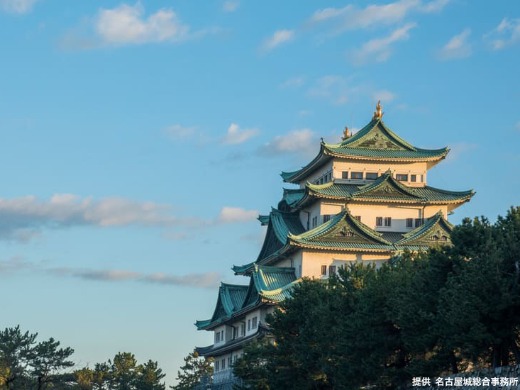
235, 332
314, 221
332, 269
223, 363
388, 221
323, 270
356, 175
413, 178
217, 365
344, 175
379, 221
242, 328
255, 322
409, 222
229, 361
217, 337
249, 324
418, 222
234, 359
401, 177
326, 218
371, 176
357, 217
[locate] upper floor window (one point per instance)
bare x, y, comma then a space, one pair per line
249, 324
413, 178
314, 221
332, 269
388, 221
326, 218
223, 363
409, 222
379, 221
418, 222
356, 175
401, 177
243, 328
371, 176
254, 324
217, 365
357, 217
323, 270
344, 175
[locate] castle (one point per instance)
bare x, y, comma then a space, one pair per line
362, 200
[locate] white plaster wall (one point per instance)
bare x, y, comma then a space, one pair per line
312, 261
316, 175
250, 316
419, 168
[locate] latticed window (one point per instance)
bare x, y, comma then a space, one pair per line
326, 218
388, 221
356, 175
401, 177
379, 221
409, 222
371, 176
332, 269
323, 270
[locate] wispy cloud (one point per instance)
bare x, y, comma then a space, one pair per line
380, 49
457, 47
459, 149
17, 6
128, 25
23, 218
334, 88
180, 132
293, 82
383, 95
230, 5
199, 280
301, 141
278, 38
506, 34
351, 17
236, 135
236, 214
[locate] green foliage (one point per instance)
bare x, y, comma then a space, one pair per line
195, 370
121, 373
421, 314
24, 364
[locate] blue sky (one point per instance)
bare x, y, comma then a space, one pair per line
140, 140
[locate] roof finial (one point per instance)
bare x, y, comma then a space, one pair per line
346, 133
378, 113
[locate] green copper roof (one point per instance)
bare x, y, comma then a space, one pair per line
271, 284
290, 198
436, 230
375, 141
385, 188
230, 300
342, 232
264, 219
280, 225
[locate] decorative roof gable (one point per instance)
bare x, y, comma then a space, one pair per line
435, 231
342, 232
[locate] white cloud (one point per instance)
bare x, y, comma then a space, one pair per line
278, 38
236, 214
457, 47
127, 25
507, 33
230, 6
380, 49
301, 141
351, 17
17, 6
22, 218
235, 135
